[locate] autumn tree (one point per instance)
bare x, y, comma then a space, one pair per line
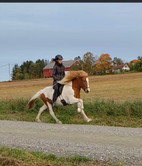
104, 64
133, 63
89, 63
136, 64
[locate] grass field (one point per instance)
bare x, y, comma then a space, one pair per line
17, 157
114, 100
119, 88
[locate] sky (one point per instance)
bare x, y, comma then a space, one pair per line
32, 31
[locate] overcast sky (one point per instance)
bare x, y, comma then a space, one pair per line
31, 31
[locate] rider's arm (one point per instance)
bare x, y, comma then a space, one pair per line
64, 72
54, 73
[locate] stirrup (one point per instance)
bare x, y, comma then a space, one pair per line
64, 102
53, 104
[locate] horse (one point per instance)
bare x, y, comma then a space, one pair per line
73, 82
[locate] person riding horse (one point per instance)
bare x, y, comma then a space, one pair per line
73, 82
58, 74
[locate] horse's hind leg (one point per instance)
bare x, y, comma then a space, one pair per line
81, 110
40, 112
52, 114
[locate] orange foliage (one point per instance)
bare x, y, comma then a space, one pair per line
103, 64
134, 61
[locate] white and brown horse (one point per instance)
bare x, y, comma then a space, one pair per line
73, 83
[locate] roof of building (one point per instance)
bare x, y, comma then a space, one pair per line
68, 63
118, 67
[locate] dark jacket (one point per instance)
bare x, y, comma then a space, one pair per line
58, 72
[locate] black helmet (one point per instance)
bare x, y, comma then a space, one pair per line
58, 57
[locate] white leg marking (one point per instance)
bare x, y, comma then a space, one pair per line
40, 112
52, 114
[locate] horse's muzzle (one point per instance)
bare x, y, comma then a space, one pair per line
87, 90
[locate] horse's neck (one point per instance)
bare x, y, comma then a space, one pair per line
76, 88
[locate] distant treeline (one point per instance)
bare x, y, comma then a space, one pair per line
29, 70
93, 65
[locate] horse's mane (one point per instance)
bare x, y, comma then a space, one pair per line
72, 75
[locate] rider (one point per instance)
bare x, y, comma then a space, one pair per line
58, 73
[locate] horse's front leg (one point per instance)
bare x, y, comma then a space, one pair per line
81, 110
39, 113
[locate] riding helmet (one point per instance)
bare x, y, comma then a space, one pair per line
58, 57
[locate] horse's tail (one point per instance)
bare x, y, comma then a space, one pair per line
32, 100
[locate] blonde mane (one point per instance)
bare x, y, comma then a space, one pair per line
72, 75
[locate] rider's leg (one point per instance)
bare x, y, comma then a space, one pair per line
55, 94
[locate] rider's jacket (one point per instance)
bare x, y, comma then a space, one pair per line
58, 72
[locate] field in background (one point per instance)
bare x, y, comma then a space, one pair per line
114, 100
119, 88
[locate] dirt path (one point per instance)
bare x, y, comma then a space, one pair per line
99, 142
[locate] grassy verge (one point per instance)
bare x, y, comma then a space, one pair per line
103, 112
16, 157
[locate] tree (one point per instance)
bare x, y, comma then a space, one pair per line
40, 65
78, 58
117, 61
33, 70
138, 66
18, 75
104, 64
14, 71
89, 63
25, 69
140, 58
29, 70
133, 63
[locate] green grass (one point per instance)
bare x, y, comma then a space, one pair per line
17, 157
103, 112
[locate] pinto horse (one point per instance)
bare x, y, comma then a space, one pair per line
73, 83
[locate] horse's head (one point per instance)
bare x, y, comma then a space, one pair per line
84, 83
79, 79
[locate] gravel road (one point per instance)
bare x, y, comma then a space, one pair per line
97, 142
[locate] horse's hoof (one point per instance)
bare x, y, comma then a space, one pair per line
38, 120
59, 122
89, 120
79, 110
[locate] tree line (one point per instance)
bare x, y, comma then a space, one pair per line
104, 63
98, 65
93, 65
29, 70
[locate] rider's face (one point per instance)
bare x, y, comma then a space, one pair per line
59, 61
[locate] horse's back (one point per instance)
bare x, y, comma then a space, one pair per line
48, 91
